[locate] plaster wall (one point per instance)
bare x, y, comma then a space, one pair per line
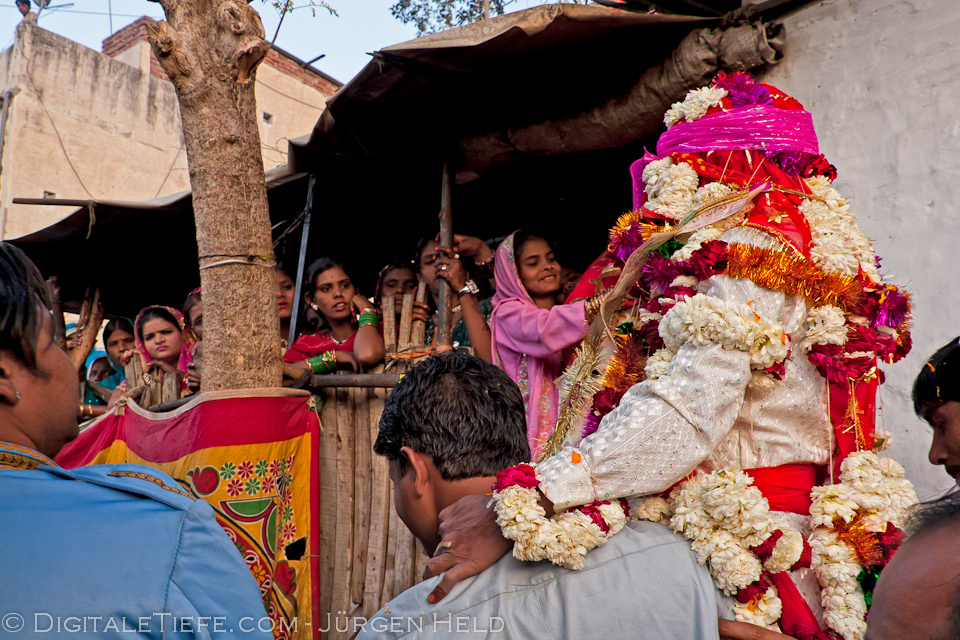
119, 123
294, 108
882, 80
84, 125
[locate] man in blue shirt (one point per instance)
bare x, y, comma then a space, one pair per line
450, 425
103, 550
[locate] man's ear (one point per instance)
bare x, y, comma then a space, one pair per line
416, 464
8, 392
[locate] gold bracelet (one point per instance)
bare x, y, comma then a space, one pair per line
593, 304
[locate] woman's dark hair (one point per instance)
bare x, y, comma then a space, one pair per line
313, 319
117, 324
153, 313
24, 301
939, 379
521, 238
192, 300
396, 263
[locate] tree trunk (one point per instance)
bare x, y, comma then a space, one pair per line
210, 49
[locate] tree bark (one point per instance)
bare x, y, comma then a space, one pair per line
210, 49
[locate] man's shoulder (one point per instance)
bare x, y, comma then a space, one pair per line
512, 588
89, 484
135, 479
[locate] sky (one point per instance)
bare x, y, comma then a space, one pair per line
363, 26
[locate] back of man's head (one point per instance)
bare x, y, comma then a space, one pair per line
918, 594
23, 300
464, 413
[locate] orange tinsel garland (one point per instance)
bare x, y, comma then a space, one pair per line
865, 543
794, 275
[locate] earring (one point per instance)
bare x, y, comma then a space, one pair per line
18, 395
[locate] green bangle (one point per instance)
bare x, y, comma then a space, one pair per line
323, 363
369, 317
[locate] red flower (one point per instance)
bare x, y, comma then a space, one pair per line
245, 470
593, 511
521, 474
709, 260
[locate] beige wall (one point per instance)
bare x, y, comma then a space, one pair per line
882, 80
119, 127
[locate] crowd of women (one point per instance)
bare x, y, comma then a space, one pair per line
513, 306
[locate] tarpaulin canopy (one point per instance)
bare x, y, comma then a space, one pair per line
549, 80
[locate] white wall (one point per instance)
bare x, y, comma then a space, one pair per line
882, 80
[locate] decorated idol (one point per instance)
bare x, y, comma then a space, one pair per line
728, 387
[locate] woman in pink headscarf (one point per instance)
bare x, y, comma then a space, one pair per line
529, 331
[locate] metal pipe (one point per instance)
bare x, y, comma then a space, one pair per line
298, 294
444, 330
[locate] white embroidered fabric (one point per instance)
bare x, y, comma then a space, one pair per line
703, 413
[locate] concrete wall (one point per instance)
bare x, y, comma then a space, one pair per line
119, 122
882, 80
118, 127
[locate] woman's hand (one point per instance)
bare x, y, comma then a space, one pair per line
472, 246
347, 360
470, 542
193, 377
360, 303
450, 269
421, 311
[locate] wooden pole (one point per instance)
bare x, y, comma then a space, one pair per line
298, 294
406, 317
389, 306
444, 330
419, 326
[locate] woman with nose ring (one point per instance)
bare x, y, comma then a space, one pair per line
529, 330
346, 325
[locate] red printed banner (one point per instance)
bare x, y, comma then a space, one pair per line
253, 456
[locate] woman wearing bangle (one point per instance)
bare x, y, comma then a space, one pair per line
347, 331
470, 311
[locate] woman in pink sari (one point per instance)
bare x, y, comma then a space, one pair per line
529, 330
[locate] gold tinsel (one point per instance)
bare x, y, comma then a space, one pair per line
865, 543
626, 367
794, 275
580, 382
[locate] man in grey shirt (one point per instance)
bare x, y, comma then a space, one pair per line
449, 426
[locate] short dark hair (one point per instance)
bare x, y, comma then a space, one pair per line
933, 515
24, 300
939, 380
466, 414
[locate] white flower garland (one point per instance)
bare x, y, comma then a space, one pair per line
877, 491
724, 516
824, 325
694, 105
670, 187
702, 320
564, 539
838, 244
658, 364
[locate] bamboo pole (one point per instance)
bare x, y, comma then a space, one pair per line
389, 306
406, 317
444, 329
419, 326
